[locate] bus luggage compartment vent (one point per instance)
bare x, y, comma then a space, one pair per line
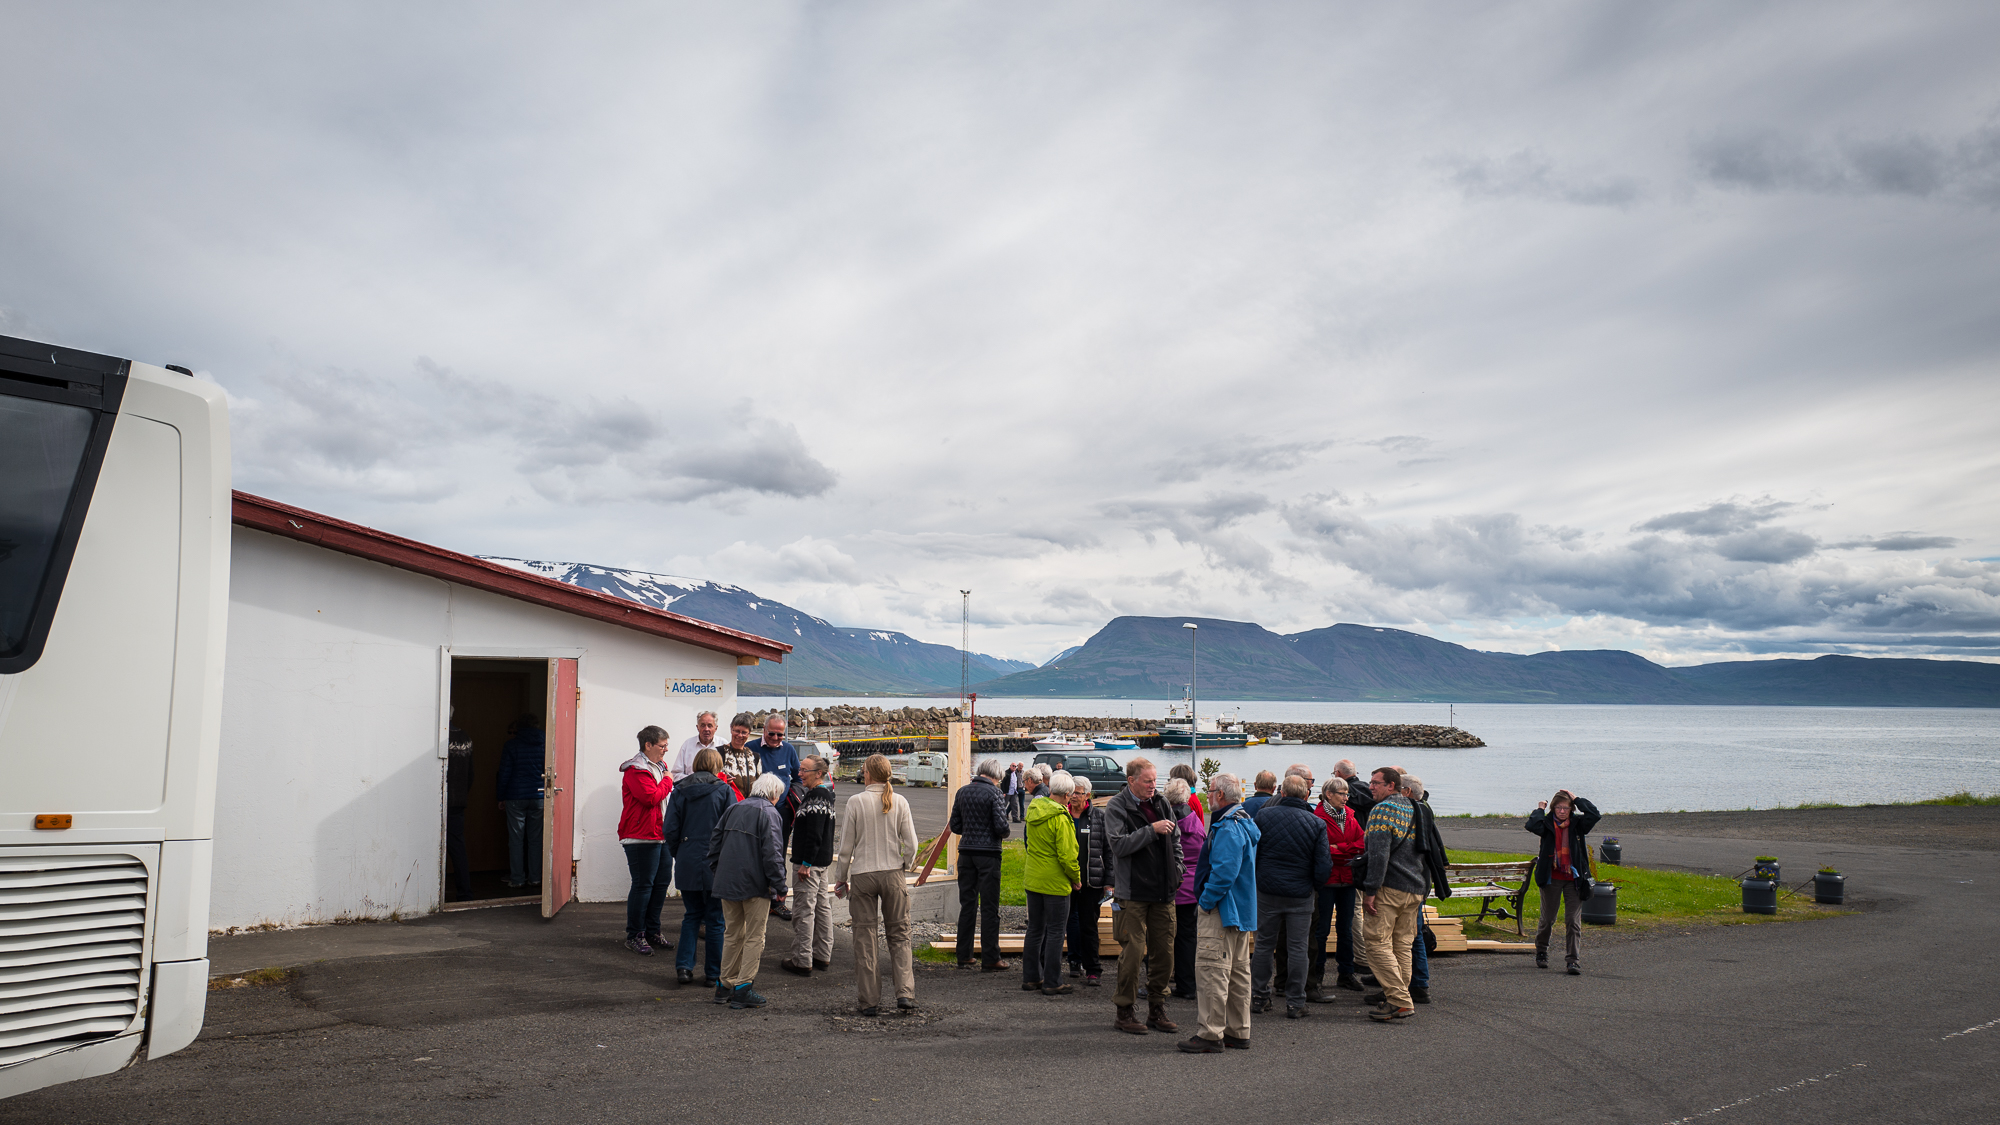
72, 940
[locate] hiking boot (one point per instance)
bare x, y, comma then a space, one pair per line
1031, 986
997, 967
968, 964
1259, 1005
659, 941
1541, 962
905, 1004
721, 993
1128, 1020
1235, 1044
1059, 990
822, 966
1156, 1018
1367, 979
1383, 1013
684, 976
1375, 998
743, 996
1200, 1046
1321, 995
795, 970
1348, 982
870, 1012
638, 945
1420, 994
1297, 1011
1090, 980
1075, 970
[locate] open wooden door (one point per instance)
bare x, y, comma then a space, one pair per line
559, 789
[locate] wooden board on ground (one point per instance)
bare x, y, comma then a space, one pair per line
1009, 943
1475, 946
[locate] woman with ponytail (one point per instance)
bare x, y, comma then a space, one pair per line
878, 842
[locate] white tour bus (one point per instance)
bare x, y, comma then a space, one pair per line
114, 585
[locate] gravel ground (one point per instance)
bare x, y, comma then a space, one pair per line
1915, 826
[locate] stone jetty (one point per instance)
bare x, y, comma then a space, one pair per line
844, 721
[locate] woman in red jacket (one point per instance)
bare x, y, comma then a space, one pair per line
645, 788
1347, 837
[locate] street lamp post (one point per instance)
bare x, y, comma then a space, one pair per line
1194, 709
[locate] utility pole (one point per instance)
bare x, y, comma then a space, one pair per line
1194, 707
964, 646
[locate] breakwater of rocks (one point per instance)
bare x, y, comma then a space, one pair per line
847, 721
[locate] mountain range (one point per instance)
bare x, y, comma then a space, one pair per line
826, 659
1149, 657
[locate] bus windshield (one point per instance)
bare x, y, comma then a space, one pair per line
42, 448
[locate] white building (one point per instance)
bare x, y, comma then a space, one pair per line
348, 649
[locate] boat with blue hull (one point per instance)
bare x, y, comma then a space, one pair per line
1200, 733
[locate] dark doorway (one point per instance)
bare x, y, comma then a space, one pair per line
488, 696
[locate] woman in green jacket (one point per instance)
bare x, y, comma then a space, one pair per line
1050, 874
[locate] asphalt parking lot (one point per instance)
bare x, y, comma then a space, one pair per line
1891, 1013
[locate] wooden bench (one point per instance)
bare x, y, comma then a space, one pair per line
1488, 882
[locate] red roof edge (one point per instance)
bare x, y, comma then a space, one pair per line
450, 566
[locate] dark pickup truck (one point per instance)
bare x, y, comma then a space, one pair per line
1106, 775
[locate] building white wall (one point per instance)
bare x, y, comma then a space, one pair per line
330, 792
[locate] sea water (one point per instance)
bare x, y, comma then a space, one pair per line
1625, 759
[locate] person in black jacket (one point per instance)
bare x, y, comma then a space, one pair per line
1293, 863
979, 819
1562, 822
693, 807
1145, 848
1094, 861
457, 794
812, 853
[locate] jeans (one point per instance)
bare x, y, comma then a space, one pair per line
1184, 945
1041, 954
454, 850
979, 897
1286, 920
1333, 911
1420, 957
701, 918
524, 841
1083, 912
651, 869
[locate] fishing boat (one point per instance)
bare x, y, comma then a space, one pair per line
1114, 744
1199, 732
1278, 739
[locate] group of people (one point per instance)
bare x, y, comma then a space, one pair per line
1196, 886
742, 829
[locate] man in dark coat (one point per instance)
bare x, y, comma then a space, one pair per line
746, 868
979, 819
1562, 822
693, 808
1293, 862
518, 788
1093, 859
1147, 868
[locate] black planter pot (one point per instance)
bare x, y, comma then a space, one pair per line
1829, 889
1760, 896
1610, 852
1601, 908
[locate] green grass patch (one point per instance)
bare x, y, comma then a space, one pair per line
1647, 899
1963, 797
1013, 868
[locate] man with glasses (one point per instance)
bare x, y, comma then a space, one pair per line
812, 819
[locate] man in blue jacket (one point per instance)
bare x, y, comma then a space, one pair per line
518, 786
1225, 882
777, 756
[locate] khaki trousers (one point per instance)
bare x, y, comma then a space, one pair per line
812, 917
743, 938
1222, 978
879, 898
1145, 933
1390, 933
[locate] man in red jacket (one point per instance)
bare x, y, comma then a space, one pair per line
1347, 838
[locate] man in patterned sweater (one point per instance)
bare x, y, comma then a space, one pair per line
1393, 887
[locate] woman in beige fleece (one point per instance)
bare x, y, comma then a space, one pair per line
878, 842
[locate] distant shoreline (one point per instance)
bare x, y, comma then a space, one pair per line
765, 691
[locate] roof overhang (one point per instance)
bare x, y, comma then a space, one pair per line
261, 514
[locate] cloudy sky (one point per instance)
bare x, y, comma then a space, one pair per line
1673, 328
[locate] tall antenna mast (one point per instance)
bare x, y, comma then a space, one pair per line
964, 646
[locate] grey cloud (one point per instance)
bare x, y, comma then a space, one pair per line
1500, 566
1239, 456
1204, 524
1911, 542
1908, 163
768, 457
1721, 518
1530, 174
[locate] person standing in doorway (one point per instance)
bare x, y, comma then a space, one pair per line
703, 738
979, 819
457, 793
640, 831
812, 855
746, 860
518, 786
878, 842
694, 808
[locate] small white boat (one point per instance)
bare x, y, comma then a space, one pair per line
1277, 738
1059, 743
